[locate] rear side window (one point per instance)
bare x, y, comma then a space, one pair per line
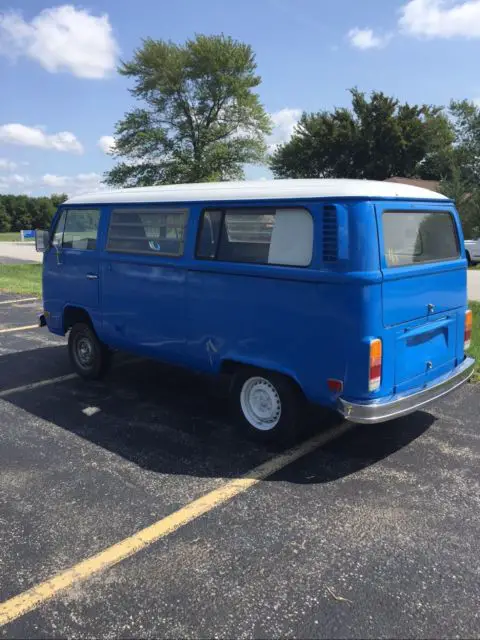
156, 231
419, 237
261, 236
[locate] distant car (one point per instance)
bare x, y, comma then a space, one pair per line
472, 251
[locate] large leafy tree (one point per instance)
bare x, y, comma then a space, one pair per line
463, 185
467, 199
377, 138
201, 119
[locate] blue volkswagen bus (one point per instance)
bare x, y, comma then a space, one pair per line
347, 294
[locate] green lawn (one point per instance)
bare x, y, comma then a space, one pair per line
475, 348
9, 237
21, 278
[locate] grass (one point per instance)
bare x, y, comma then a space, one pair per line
475, 348
10, 237
21, 278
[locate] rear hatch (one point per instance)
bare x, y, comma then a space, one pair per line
424, 285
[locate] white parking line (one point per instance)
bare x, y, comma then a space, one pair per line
19, 300
27, 327
36, 385
44, 383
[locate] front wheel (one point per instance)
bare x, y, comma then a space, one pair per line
267, 405
89, 357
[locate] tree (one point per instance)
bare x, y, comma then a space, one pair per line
58, 198
463, 184
201, 120
5, 222
24, 212
377, 138
467, 199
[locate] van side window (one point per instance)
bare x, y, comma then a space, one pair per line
153, 231
210, 226
419, 237
81, 229
57, 237
261, 236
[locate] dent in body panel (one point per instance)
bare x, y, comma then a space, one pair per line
144, 306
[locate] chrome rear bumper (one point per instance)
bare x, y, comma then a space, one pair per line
400, 405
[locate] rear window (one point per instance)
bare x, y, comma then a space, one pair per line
419, 237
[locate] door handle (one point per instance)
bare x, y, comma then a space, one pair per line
92, 276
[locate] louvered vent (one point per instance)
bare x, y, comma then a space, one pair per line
330, 234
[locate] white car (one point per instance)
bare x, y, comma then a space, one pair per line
472, 249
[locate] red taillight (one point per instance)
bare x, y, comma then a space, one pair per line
334, 385
468, 329
375, 372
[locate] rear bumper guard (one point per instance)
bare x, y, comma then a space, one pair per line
385, 409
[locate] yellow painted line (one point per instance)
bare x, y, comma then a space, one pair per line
26, 327
36, 596
13, 302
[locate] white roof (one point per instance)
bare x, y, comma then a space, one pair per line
259, 190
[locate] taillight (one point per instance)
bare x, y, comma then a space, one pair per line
468, 329
375, 372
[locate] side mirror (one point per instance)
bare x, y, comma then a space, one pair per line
42, 240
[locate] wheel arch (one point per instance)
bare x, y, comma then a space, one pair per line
231, 365
73, 314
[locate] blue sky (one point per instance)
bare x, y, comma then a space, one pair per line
61, 95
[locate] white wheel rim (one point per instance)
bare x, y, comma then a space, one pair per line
261, 404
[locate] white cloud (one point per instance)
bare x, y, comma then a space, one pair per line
7, 165
14, 182
441, 19
17, 179
367, 39
106, 144
36, 137
80, 183
284, 123
62, 38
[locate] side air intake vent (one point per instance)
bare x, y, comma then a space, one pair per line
330, 234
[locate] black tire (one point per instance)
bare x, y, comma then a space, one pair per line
89, 357
285, 429
469, 259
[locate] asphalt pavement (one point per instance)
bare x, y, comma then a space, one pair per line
372, 534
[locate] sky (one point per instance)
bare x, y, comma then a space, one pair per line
61, 94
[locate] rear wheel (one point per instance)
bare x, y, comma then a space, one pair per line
90, 358
267, 405
469, 259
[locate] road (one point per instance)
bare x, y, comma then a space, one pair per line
373, 533
17, 252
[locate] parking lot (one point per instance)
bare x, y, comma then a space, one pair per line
176, 526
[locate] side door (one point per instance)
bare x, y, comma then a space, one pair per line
143, 281
71, 265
